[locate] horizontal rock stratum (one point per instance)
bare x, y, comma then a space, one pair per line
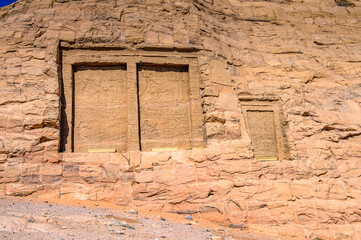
242, 112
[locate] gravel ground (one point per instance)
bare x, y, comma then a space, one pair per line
22, 219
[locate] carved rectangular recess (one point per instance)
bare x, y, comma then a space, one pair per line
261, 127
99, 110
164, 106
263, 124
129, 100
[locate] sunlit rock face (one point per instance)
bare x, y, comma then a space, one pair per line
244, 112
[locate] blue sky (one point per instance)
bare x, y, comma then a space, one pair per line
6, 2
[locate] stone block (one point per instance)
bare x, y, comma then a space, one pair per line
215, 130
149, 191
22, 190
213, 151
50, 169
179, 157
213, 216
134, 36
109, 172
122, 160
134, 158
303, 189
219, 72
281, 214
34, 157
52, 156
337, 191
215, 117
150, 159
283, 191
127, 177
200, 190
239, 180
68, 36
50, 179
151, 37
31, 121
90, 173
70, 170
221, 187
3, 158
38, 54
197, 155
228, 102
101, 192
123, 193
265, 190
210, 92
164, 174
14, 121
30, 169
12, 173
204, 176
77, 191
232, 131
51, 86
232, 166
259, 216
30, 179
320, 167
166, 39
185, 173
50, 191
293, 230
144, 176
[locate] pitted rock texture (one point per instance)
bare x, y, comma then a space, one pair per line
300, 58
24, 220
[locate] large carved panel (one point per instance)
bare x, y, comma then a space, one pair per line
128, 100
100, 113
164, 106
261, 127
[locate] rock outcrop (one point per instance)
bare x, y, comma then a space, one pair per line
277, 80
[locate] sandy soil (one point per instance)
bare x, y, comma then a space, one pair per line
22, 219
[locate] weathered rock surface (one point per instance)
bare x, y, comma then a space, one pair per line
299, 59
23, 220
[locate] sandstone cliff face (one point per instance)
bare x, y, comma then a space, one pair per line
299, 59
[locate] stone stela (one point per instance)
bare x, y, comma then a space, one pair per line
99, 104
262, 133
164, 106
123, 101
264, 128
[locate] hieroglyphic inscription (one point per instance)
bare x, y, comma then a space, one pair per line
261, 126
164, 106
100, 113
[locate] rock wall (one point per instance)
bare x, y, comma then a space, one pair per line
300, 58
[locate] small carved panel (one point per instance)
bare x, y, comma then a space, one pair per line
100, 111
261, 125
164, 107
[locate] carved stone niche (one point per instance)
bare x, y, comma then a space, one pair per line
129, 101
263, 123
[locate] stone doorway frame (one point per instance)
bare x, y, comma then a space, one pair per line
266, 105
72, 57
